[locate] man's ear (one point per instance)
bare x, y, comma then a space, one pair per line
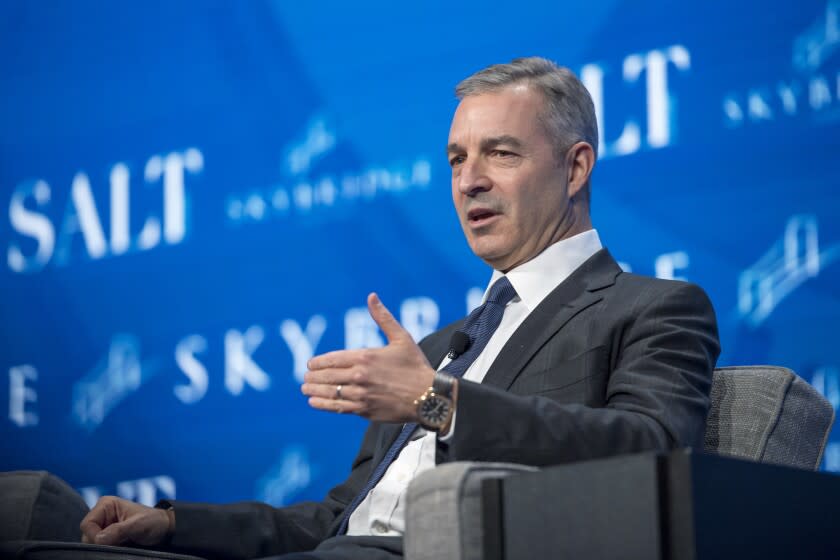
580, 159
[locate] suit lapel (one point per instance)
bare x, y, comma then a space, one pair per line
573, 295
437, 346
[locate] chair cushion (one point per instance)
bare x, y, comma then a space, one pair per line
35, 505
767, 414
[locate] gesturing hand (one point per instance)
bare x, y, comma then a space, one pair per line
378, 383
115, 521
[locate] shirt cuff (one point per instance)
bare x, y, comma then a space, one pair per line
451, 432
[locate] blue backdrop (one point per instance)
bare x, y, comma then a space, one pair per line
201, 194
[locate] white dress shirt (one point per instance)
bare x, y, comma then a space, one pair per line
382, 512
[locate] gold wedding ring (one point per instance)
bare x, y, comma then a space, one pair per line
338, 392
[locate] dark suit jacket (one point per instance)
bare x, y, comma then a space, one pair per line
608, 363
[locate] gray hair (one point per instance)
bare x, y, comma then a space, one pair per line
570, 114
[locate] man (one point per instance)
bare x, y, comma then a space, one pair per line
567, 359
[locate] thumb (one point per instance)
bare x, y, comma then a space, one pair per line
389, 325
114, 534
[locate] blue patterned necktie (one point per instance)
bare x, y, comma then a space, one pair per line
479, 327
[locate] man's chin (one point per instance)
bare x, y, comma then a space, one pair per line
490, 253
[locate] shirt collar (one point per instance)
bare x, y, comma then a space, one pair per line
535, 279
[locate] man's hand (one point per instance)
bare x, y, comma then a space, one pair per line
378, 383
115, 521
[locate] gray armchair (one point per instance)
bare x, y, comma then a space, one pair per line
761, 413
765, 414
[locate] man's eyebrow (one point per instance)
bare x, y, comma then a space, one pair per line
454, 147
503, 140
488, 143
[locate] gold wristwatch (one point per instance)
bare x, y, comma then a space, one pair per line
436, 406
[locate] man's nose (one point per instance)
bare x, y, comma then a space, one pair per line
473, 178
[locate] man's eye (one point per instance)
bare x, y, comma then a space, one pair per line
456, 160
503, 153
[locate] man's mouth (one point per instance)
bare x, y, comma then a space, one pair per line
480, 216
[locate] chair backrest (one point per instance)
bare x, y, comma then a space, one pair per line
767, 414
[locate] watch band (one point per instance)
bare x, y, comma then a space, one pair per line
443, 384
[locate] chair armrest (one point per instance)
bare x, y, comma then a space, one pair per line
443, 517
36, 505
54, 550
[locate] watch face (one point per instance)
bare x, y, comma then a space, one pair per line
435, 410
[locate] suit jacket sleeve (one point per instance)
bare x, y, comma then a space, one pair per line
254, 529
663, 349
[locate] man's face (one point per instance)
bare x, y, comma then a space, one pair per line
509, 190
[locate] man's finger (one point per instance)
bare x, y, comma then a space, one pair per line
335, 359
348, 392
389, 325
94, 521
330, 376
89, 530
115, 534
335, 405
